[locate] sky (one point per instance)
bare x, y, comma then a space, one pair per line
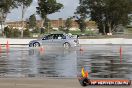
67, 11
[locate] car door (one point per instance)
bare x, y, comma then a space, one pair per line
58, 40
47, 40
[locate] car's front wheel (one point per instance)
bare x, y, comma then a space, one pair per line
36, 44
66, 45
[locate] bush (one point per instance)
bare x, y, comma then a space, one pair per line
16, 33
61, 28
36, 30
42, 30
7, 32
26, 33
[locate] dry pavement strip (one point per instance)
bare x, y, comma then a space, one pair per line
46, 83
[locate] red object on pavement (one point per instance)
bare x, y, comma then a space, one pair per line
41, 49
120, 54
81, 49
0, 48
7, 45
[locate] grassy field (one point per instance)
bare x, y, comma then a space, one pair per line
94, 35
91, 34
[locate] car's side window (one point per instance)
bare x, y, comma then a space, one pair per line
59, 36
55, 36
48, 37
63, 37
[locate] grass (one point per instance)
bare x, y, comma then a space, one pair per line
82, 33
94, 35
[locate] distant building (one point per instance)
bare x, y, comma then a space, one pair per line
16, 24
54, 23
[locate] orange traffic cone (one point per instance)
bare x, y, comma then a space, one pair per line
7, 45
41, 50
0, 48
81, 49
120, 54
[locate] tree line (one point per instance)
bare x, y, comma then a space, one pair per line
107, 14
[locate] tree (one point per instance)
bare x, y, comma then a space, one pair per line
130, 19
5, 7
46, 7
36, 30
32, 21
16, 33
61, 28
7, 32
68, 24
82, 23
26, 33
81, 15
47, 25
108, 13
24, 4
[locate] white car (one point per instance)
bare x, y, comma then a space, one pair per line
61, 39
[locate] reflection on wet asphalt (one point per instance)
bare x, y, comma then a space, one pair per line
104, 61
101, 61
36, 62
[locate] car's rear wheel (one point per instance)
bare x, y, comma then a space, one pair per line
36, 44
66, 45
